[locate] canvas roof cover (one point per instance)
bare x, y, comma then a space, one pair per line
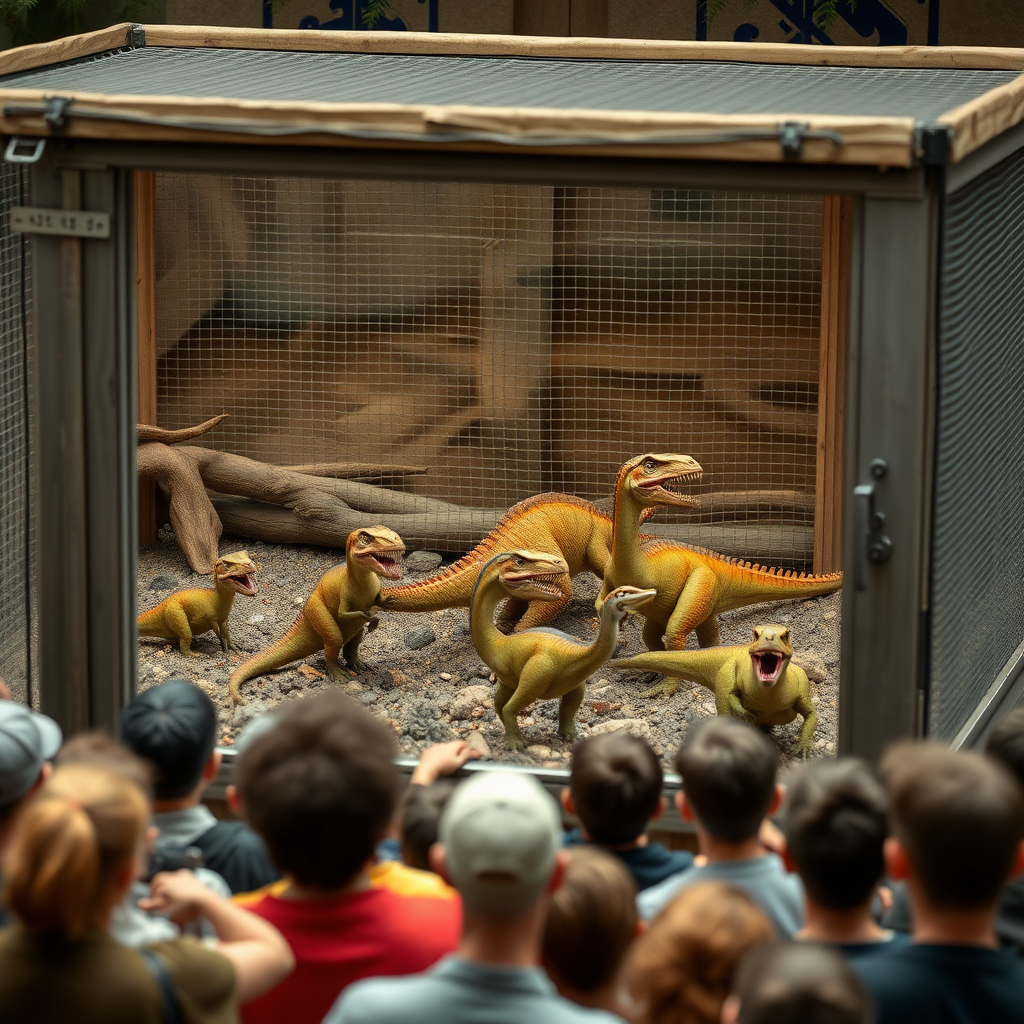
724, 101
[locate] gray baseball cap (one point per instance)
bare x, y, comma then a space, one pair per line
501, 833
26, 741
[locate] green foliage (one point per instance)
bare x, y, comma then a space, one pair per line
374, 11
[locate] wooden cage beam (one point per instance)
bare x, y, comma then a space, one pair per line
837, 213
145, 299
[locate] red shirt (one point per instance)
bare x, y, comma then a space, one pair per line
344, 938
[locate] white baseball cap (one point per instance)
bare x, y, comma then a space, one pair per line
26, 741
501, 833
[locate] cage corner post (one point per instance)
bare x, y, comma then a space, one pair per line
837, 220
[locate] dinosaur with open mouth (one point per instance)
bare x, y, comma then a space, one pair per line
190, 613
337, 613
757, 683
540, 663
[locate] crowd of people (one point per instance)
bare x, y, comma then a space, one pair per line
858, 894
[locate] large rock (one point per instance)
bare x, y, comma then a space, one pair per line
810, 661
475, 741
419, 637
470, 699
636, 726
417, 563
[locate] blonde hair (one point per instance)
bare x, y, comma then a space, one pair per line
71, 842
682, 966
591, 921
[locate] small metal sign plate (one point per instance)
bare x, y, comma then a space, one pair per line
74, 223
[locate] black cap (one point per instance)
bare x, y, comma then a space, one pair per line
174, 726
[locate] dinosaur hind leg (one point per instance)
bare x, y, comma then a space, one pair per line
540, 613
567, 709
708, 633
507, 710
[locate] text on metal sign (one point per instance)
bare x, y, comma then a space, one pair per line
76, 223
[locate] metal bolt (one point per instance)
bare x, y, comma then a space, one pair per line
879, 467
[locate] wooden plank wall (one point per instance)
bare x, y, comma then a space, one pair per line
835, 284
145, 298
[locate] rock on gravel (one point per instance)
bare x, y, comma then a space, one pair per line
469, 699
475, 741
419, 637
418, 563
810, 661
636, 726
164, 581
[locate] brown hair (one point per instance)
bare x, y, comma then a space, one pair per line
682, 966
836, 824
960, 818
591, 921
615, 785
82, 829
96, 748
800, 983
320, 788
728, 770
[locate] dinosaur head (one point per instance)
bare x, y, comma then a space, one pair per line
376, 549
654, 479
533, 575
235, 571
624, 600
770, 653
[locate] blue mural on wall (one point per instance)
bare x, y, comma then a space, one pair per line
865, 17
349, 16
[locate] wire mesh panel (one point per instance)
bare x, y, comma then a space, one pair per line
978, 558
488, 342
15, 445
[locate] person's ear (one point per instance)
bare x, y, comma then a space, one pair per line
438, 861
1018, 862
731, 1010
212, 766
558, 873
684, 807
660, 809
234, 800
897, 863
776, 801
565, 799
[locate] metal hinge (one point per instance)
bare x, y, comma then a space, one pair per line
873, 544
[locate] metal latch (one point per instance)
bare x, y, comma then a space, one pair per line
24, 151
873, 544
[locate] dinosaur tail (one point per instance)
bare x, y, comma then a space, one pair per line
299, 642
452, 587
697, 666
151, 621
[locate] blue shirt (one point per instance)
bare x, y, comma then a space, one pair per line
763, 879
457, 991
648, 864
931, 984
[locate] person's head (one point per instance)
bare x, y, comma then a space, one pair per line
682, 967
96, 748
591, 922
320, 788
1006, 743
614, 787
499, 843
420, 816
728, 770
76, 851
835, 825
797, 983
173, 726
957, 825
27, 742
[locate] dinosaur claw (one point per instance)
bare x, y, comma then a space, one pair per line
338, 675
665, 688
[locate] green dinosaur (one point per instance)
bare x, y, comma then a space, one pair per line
337, 612
190, 613
541, 663
756, 683
694, 586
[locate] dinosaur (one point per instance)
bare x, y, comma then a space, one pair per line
190, 613
540, 663
694, 585
756, 683
574, 529
337, 612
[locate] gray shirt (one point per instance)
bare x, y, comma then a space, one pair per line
763, 879
457, 991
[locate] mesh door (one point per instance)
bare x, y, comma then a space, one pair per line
503, 340
15, 436
978, 557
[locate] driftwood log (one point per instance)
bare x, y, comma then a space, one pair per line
322, 503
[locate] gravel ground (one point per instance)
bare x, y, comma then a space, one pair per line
428, 681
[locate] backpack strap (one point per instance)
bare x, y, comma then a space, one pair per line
170, 1008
